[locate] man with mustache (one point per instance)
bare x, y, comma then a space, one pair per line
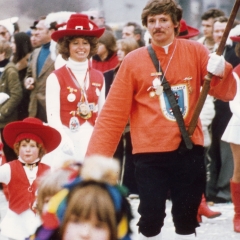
139, 94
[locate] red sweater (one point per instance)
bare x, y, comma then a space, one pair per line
153, 127
104, 66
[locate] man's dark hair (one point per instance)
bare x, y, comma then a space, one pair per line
34, 24
170, 7
212, 13
137, 27
221, 19
137, 30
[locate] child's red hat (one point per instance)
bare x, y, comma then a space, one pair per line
235, 38
187, 31
32, 128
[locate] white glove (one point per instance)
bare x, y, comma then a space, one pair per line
28, 83
3, 97
216, 64
67, 146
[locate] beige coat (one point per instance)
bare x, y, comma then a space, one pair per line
37, 95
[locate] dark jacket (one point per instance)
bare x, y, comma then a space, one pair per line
10, 84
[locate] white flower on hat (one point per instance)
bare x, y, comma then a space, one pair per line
58, 17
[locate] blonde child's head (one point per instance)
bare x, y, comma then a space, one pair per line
51, 183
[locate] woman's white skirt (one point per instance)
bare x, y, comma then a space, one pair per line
232, 131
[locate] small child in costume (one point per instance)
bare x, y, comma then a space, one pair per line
51, 182
91, 206
30, 139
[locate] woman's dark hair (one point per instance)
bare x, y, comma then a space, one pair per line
169, 7
63, 45
108, 39
23, 46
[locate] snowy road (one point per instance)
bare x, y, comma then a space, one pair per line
220, 228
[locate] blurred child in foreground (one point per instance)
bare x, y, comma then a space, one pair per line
91, 206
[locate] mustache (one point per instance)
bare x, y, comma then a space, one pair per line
157, 31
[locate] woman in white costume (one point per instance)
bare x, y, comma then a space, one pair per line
232, 135
75, 93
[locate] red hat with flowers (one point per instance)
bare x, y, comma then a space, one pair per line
78, 25
187, 31
34, 129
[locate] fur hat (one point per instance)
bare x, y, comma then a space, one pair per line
187, 31
32, 128
8, 24
78, 25
101, 169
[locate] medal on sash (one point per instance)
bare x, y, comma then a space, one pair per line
83, 110
73, 123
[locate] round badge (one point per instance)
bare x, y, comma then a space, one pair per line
152, 94
71, 97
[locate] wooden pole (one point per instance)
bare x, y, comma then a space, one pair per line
208, 77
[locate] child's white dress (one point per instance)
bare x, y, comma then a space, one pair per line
19, 226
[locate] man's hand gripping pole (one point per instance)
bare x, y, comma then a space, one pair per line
208, 77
